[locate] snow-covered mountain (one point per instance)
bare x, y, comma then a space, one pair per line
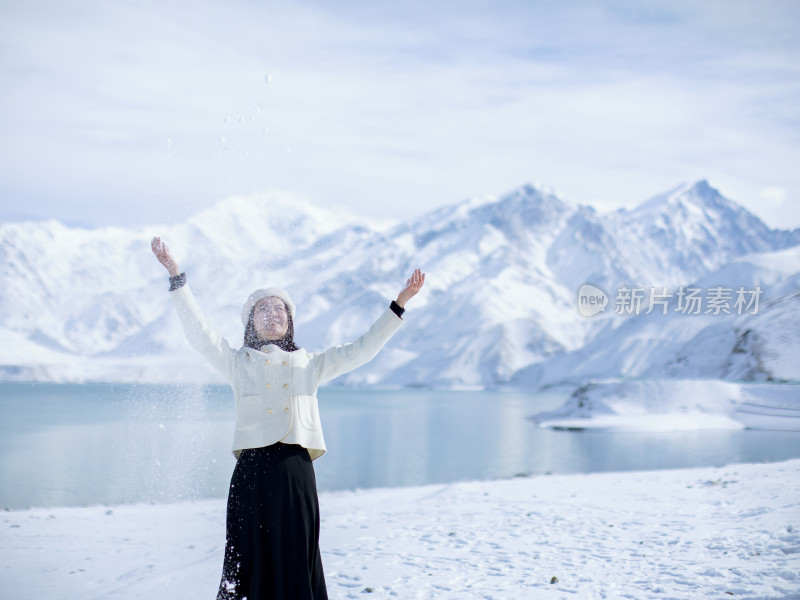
671, 239
764, 346
499, 305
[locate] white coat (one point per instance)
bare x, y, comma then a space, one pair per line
276, 391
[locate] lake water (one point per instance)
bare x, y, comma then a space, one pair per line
72, 445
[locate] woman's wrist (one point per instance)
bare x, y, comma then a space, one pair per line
177, 281
397, 309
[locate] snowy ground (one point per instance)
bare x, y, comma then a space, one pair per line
730, 532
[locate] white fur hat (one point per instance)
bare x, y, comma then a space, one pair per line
265, 293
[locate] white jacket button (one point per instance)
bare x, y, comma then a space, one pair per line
269, 410
285, 363
266, 362
285, 385
269, 385
286, 409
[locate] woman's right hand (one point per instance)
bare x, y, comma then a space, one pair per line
161, 250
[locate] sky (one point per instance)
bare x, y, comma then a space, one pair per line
123, 113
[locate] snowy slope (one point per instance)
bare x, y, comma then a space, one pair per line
91, 304
498, 307
671, 239
762, 347
680, 236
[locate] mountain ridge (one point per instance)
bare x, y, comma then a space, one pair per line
500, 297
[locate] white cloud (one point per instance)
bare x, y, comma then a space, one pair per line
391, 109
773, 195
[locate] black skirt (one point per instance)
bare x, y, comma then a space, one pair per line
272, 538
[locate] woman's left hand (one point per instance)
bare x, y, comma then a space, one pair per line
413, 285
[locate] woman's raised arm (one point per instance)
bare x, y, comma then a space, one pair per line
200, 335
345, 358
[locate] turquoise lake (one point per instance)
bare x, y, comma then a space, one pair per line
88, 444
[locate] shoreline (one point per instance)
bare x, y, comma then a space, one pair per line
4, 510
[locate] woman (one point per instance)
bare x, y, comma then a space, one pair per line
272, 535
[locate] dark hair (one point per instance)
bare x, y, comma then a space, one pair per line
251, 339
